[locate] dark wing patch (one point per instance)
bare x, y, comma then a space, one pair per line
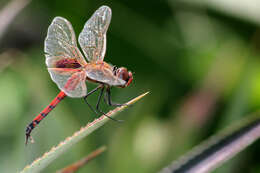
67, 63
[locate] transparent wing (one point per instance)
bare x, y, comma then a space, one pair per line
60, 43
104, 75
70, 81
92, 39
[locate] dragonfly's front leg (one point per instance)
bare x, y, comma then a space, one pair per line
88, 94
98, 103
108, 100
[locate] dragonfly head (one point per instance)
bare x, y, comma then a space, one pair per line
125, 75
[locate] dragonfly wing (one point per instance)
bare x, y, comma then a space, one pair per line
60, 44
92, 39
104, 75
70, 81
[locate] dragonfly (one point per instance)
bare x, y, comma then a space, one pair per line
69, 69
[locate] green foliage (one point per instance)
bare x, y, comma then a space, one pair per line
219, 148
200, 61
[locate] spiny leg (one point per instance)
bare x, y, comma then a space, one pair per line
109, 101
99, 98
88, 94
98, 103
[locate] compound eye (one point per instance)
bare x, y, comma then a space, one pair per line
122, 73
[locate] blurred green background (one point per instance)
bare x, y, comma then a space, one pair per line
199, 59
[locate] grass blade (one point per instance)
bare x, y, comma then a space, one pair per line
75, 166
47, 158
9, 12
218, 149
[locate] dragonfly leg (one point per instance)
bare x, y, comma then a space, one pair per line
98, 103
109, 101
88, 94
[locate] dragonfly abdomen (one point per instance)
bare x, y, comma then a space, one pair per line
43, 114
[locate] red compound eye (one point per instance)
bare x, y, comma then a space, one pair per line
123, 74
